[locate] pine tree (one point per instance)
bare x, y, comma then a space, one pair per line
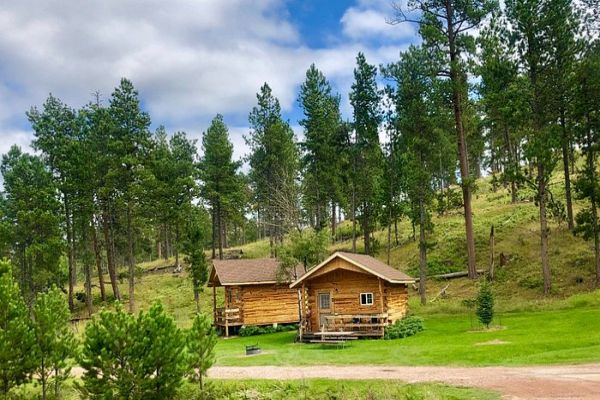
219, 174
587, 111
273, 167
365, 100
320, 160
31, 214
485, 304
201, 341
18, 355
55, 340
134, 358
129, 147
444, 26
193, 246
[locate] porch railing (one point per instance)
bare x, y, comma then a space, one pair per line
227, 316
367, 324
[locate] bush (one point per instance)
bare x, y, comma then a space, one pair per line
252, 330
405, 327
485, 304
133, 358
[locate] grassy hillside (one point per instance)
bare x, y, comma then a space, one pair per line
518, 285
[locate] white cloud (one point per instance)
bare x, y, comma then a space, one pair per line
189, 59
367, 23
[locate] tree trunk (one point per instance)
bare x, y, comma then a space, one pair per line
513, 166
220, 230
456, 79
353, 220
333, 221
591, 158
43, 377
177, 246
110, 255
70, 253
492, 243
98, 257
87, 269
565, 157
422, 254
365, 219
543, 229
213, 242
131, 260
389, 236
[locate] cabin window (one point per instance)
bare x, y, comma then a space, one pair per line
324, 301
366, 299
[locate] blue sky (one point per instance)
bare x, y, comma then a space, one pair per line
189, 59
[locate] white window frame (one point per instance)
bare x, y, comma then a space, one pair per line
366, 297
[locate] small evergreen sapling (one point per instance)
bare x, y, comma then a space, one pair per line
18, 356
485, 304
132, 358
56, 342
201, 341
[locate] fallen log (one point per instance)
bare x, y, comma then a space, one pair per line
452, 275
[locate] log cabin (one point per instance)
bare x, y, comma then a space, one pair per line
255, 293
351, 293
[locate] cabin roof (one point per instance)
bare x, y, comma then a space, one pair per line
367, 263
257, 271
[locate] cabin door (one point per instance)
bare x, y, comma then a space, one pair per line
324, 303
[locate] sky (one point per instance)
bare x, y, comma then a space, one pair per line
189, 59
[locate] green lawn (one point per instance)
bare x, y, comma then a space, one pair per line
523, 338
314, 389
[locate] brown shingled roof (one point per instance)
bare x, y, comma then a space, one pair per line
368, 263
246, 272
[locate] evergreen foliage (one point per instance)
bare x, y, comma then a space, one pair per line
404, 327
18, 352
134, 358
201, 341
56, 343
485, 304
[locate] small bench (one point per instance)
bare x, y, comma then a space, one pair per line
252, 349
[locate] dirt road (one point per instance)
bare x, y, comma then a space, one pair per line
543, 382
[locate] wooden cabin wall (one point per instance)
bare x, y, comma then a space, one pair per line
345, 287
397, 301
268, 304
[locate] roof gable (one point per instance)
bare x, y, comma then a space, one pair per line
366, 263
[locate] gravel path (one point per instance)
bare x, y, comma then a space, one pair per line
540, 382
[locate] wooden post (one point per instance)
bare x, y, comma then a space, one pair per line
214, 306
225, 311
381, 306
302, 312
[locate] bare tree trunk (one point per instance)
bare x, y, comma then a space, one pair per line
177, 234
87, 269
220, 230
396, 231
110, 255
333, 221
565, 156
365, 220
544, 229
353, 219
213, 242
131, 260
456, 79
422, 254
98, 257
70, 253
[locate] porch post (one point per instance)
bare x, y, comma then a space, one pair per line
214, 305
302, 312
225, 311
382, 307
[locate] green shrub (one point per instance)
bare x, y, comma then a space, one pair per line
485, 304
252, 330
405, 327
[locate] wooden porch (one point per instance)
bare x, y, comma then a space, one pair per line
349, 325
